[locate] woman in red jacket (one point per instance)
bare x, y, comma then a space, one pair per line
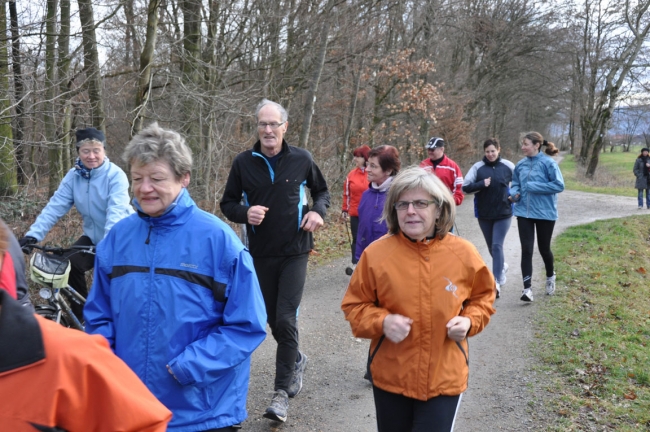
355, 185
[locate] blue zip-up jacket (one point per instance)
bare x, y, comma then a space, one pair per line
253, 181
102, 201
370, 209
181, 290
537, 180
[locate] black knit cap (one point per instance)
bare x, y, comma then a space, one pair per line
90, 134
645, 149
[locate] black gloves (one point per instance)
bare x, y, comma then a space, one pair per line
25, 241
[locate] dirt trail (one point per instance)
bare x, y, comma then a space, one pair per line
503, 393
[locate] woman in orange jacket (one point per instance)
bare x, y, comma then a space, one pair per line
418, 293
355, 185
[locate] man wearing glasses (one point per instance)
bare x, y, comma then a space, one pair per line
266, 191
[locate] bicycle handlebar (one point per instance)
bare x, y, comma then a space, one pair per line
60, 250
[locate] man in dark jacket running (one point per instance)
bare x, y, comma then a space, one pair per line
266, 191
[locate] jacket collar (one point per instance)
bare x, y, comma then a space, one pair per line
257, 148
176, 214
21, 340
487, 162
96, 172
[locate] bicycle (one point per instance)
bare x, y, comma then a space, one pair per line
50, 270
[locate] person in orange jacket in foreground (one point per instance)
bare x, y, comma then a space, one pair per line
58, 379
418, 293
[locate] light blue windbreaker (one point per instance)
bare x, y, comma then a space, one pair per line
538, 180
181, 290
102, 201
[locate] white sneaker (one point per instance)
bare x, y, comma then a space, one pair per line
503, 279
550, 285
527, 295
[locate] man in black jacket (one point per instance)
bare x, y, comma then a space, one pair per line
266, 191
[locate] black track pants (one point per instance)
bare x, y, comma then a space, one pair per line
282, 280
527, 228
80, 263
397, 413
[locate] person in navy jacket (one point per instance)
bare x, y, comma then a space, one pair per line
536, 182
175, 292
490, 180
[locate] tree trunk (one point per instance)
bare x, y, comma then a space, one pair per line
313, 88
54, 150
146, 57
91, 64
353, 108
8, 182
19, 92
191, 68
63, 103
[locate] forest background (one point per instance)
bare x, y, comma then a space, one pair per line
349, 72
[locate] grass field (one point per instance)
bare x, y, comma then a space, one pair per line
594, 334
613, 175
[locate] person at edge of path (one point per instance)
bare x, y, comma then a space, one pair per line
418, 293
175, 292
490, 180
355, 185
13, 248
53, 378
99, 190
444, 168
642, 172
272, 177
383, 166
536, 181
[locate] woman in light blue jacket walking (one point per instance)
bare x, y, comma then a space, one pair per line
536, 182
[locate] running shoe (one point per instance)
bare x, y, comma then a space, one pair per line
296, 381
279, 406
550, 285
527, 295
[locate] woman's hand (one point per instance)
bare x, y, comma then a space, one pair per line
487, 181
397, 327
344, 215
457, 328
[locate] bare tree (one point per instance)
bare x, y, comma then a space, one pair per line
8, 182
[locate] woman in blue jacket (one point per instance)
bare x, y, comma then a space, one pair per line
490, 180
536, 182
99, 190
175, 293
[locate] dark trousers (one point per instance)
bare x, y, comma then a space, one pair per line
354, 227
527, 228
80, 263
397, 413
282, 280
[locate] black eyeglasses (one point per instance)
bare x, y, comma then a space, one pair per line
274, 126
418, 204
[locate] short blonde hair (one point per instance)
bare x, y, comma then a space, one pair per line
417, 178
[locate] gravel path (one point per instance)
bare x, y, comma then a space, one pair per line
503, 393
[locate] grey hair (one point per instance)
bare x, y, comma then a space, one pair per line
154, 143
283, 112
417, 178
